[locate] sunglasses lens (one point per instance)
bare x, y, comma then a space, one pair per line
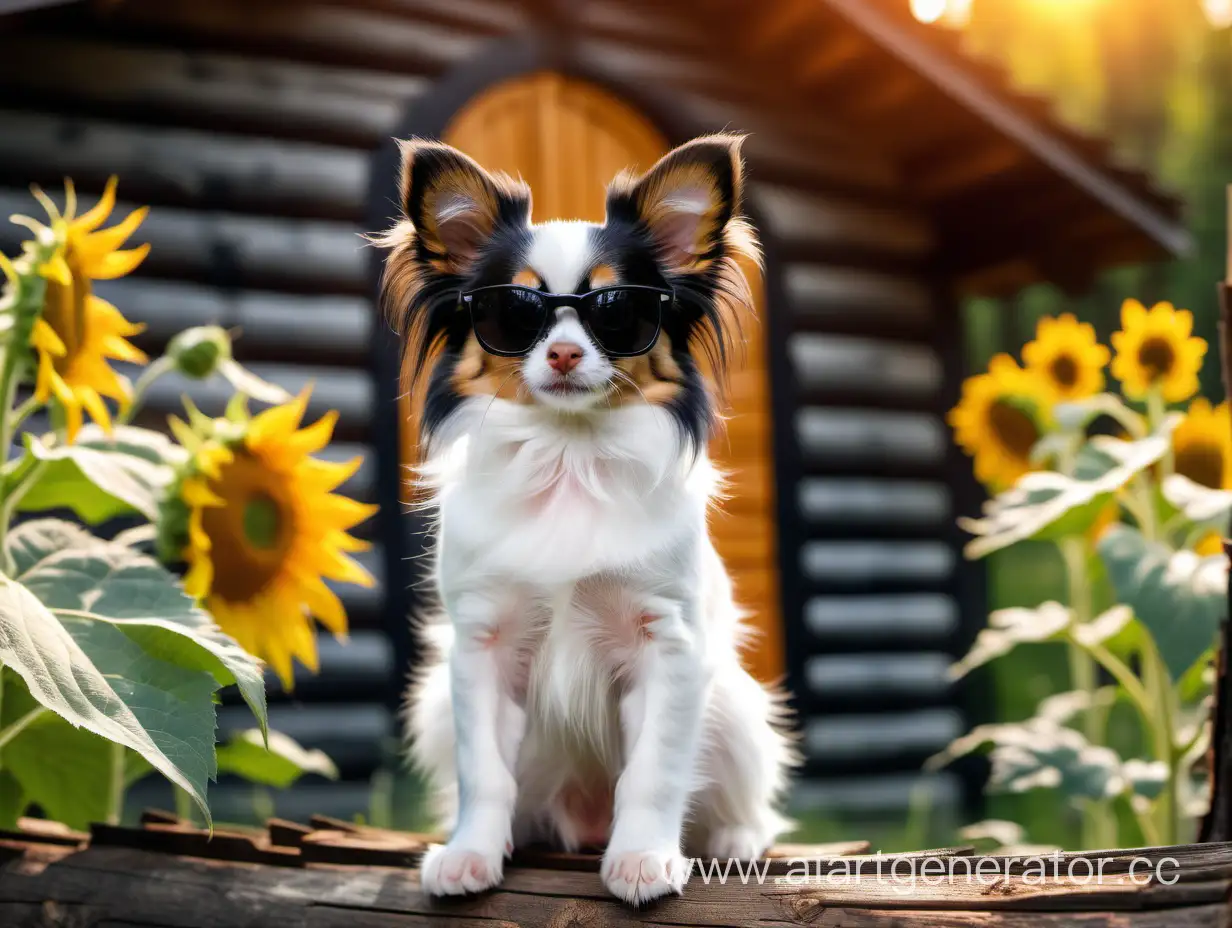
507, 320
624, 320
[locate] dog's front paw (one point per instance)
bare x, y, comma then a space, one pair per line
640, 876
455, 871
736, 843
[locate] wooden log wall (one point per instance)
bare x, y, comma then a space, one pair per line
249, 128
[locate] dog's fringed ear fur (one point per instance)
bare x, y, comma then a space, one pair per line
450, 206
689, 204
689, 201
454, 204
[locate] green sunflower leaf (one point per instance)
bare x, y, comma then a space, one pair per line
1201, 505
116, 692
1179, 597
279, 765
100, 477
103, 636
1009, 628
76, 573
1048, 505
62, 769
1041, 754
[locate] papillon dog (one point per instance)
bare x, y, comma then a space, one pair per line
583, 686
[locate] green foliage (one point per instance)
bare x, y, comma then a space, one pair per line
108, 670
100, 477
278, 764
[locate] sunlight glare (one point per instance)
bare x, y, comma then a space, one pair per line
928, 11
1218, 12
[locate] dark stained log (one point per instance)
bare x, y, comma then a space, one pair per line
276, 98
1217, 824
486, 17
132, 881
956, 171
298, 328
801, 221
228, 250
827, 298
185, 167
318, 32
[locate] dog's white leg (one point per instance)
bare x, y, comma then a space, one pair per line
661, 721
488, 728
744, 760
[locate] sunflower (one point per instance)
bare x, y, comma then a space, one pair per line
1156, 349
997, 420
1202, 445
1067, 357
264, 533
78, 332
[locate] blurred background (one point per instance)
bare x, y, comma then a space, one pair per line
929, 177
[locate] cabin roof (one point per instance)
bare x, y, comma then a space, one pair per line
1016, 195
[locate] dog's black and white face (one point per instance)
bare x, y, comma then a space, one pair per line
493, 306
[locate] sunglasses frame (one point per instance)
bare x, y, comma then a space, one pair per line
553, 302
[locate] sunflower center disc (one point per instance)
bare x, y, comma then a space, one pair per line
1014, 428
1157, 356
261, 522
1203, 464
1065, 370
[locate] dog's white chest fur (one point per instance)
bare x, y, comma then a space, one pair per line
526, 493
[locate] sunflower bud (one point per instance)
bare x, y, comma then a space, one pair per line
200, 351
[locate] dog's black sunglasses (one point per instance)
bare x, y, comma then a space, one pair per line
623, 320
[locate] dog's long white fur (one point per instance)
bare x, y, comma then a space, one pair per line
589, 637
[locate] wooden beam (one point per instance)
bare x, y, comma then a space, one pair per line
1217, 825
281, 99
183, 167
1061, 154
961, 170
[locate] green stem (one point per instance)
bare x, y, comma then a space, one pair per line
115, 801
1156, 410
183, 806
1129, 682
160, 366
1084, 675
22, 412
1159, 684
1150, 831
15, 728
8, 392
25, 477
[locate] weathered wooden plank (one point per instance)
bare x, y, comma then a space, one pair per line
801, 221
237, 251
867, 367
183, 167
842, 439
828, 298
299, 328
318, 32
819, 915
271, 97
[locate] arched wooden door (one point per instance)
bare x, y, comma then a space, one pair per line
568, 138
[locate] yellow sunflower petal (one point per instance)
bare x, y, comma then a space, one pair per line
199, 579
277, 423
198, 540
314, 437
325, 605
97, 215
337, 566
93, 248
44, 338
195, 493
57, 269
119, 263
95, 406
1133, 315
70, 200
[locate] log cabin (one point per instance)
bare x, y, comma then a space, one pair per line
892, 177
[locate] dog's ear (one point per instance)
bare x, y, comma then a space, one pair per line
686, 200
454, 204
